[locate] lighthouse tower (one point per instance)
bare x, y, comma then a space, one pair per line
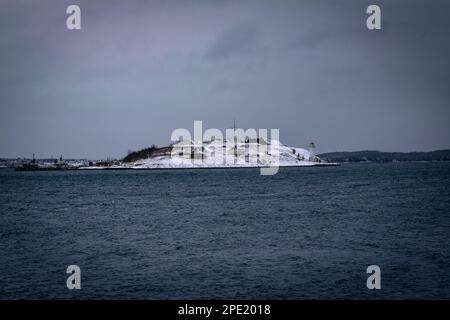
312, 152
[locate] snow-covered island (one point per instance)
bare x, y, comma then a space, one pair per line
218, 153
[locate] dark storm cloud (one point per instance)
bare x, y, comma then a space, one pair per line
139, 69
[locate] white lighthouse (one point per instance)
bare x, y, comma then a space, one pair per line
312, 152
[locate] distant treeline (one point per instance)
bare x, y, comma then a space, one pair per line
378, 156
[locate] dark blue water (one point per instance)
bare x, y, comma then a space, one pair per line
303, 233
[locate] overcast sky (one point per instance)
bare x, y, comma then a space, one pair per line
139, 69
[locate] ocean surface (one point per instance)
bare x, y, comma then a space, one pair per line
227, 233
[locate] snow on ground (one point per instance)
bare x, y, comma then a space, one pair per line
217, 154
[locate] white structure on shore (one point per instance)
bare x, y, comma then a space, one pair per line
312, 152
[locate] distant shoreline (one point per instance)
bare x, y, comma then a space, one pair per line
96, 169
335, 157
383, 157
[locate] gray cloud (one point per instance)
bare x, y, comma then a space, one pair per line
139, 69
235, 41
